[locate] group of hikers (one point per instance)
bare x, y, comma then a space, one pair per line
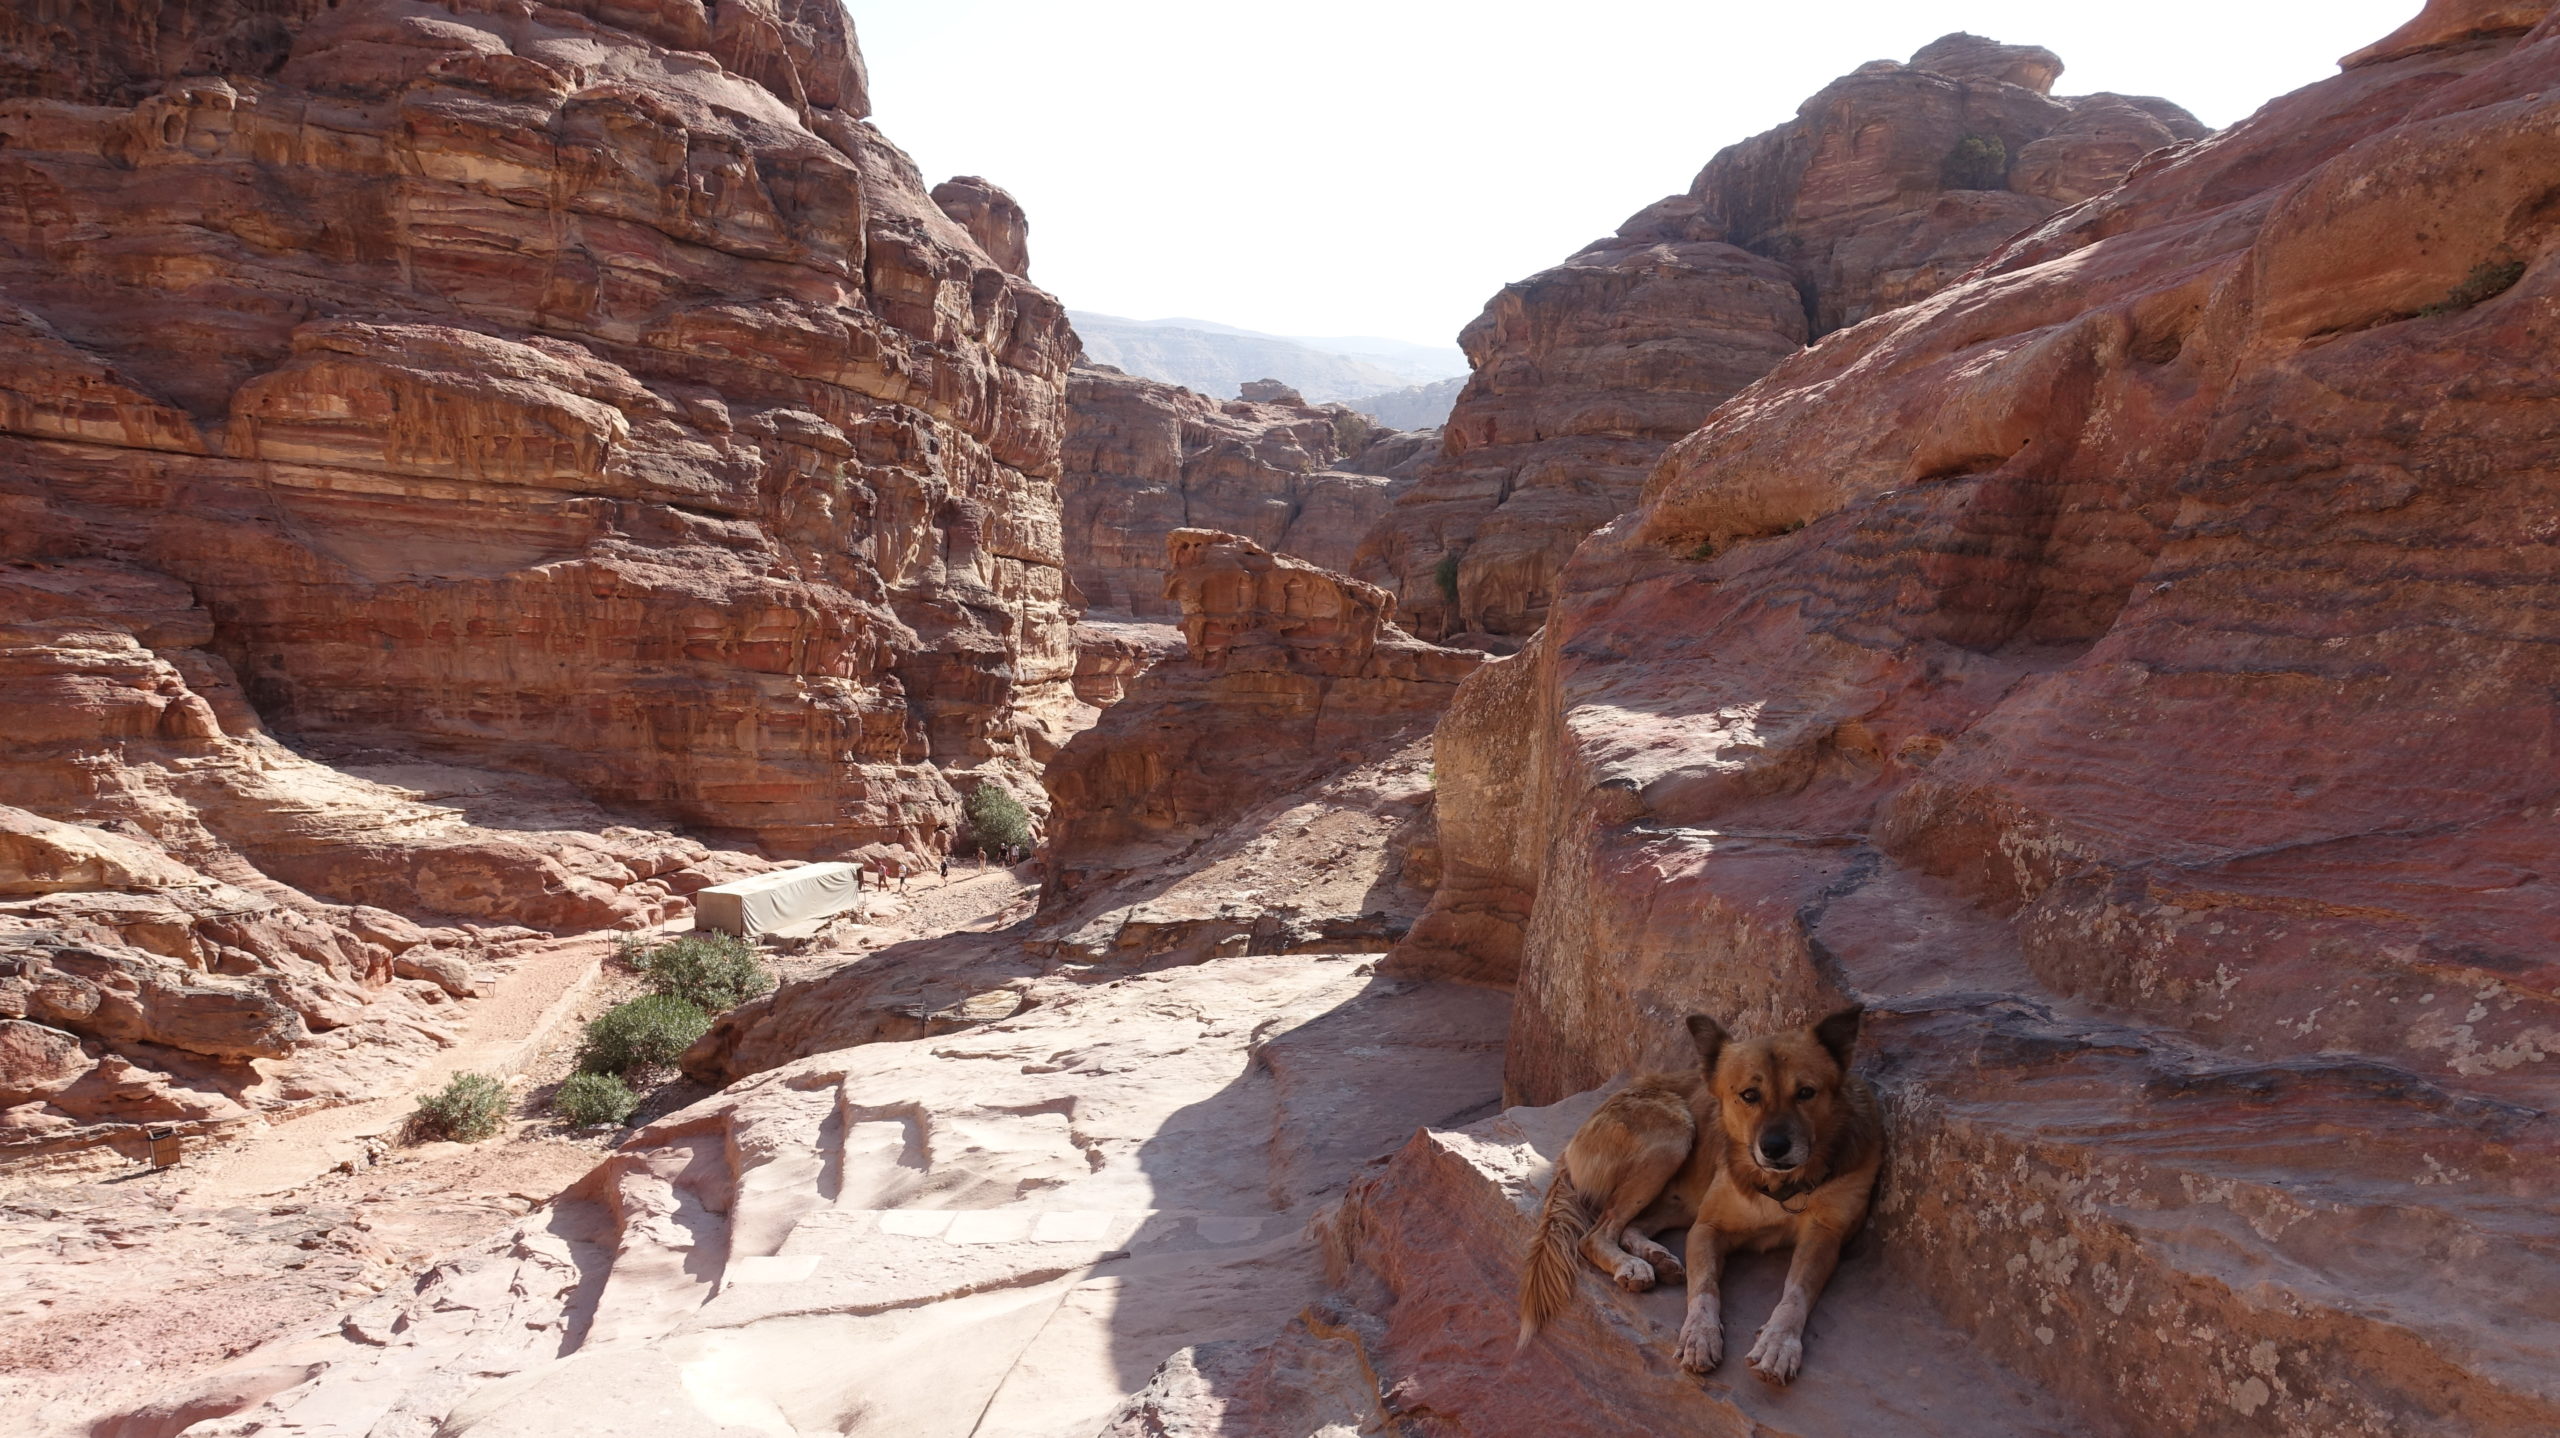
894, 871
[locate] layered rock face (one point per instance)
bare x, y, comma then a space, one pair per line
559, 423
164, 959
1291, 673
586, 390
1144, 458
1886, 187
2129, 671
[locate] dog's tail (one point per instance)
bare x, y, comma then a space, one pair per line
1546, 1275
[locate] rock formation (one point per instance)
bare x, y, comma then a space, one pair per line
1291, 673
558, 423
999, 1231
1144, 458
1887, 186
588, 391
2129, 672
224, 902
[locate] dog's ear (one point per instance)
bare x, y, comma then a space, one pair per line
1839, 1033
1708, 1035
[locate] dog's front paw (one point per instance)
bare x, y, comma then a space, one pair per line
1778, 1354
1701, 1343
1635, 1275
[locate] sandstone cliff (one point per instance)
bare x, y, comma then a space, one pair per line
1887, 186
1144, 458
2130, 672
522, 410
1290, 673
588, 390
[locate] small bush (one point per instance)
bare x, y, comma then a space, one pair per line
467, 1109
1446, 573
643, 1034
712, 972
997, 820
590, 1099
2486, 281
1978, 162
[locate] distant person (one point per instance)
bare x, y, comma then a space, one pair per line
946, 868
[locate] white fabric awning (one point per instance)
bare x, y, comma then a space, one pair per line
749, 907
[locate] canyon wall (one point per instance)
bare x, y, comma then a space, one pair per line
588, 390
1144, 458
1887, 186
2130, 672
1290, 673
443, 448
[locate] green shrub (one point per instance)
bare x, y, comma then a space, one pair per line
1978, 162
469, 1108
590, 1099
997, 820
645, 1033
2487, 281
1446, 572
713, 972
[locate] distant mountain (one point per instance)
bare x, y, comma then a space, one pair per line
1214, 358
1420, 406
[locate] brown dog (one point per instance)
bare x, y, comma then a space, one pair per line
1771, 1143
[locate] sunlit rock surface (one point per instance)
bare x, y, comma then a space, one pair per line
1887, 186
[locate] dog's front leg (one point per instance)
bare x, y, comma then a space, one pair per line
1779, 1350
1702, 1330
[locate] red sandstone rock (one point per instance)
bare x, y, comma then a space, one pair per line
1885, 188
584, 390
2128, 671
1144, 458
1292, 672
992, 217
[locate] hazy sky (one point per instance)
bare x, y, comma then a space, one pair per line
1382, 167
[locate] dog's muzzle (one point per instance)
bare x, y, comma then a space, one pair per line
1777, 1152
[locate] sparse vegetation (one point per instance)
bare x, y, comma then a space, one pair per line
997, 820
588, 1099
647, 1033
1978, 162
1705, 550
1446, 572
712, 971
2487, 280
469, 1108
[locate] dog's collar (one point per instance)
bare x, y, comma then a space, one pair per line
1790, 1191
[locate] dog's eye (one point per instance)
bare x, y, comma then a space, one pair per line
1804, 1091
1751, 1095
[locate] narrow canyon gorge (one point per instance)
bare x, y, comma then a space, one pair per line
475, 474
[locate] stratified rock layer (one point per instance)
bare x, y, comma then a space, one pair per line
2129, 671
1886, 187
587, 390
559, 423
1144, 458
1292, 673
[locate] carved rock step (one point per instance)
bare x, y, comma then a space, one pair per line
1430, 1246
2311, 1246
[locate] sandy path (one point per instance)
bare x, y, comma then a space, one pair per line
503, 1032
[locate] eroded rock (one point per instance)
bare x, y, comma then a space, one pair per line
1292, 673
1144, 458
1887, 186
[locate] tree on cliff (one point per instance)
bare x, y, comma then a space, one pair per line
997, 820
